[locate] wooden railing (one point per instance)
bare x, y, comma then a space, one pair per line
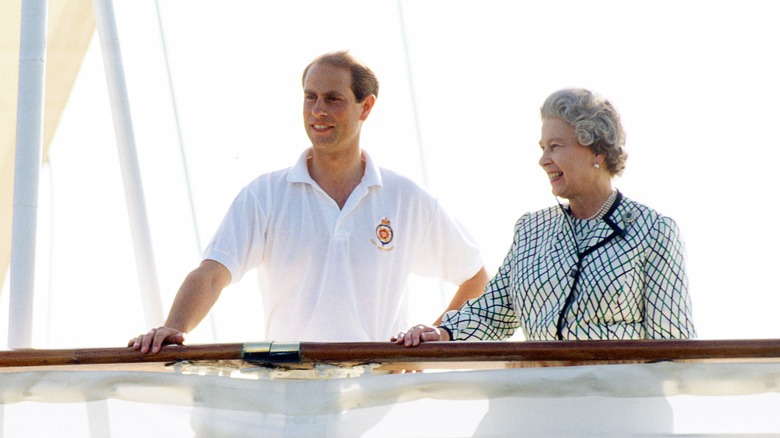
448, 355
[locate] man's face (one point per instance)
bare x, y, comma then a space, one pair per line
331, 115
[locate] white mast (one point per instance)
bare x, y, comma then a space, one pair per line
128, 160
29, 145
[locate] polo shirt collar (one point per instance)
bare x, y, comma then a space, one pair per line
300, 171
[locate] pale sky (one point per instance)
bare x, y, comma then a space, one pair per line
695, 82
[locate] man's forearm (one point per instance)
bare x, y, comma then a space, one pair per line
468, 290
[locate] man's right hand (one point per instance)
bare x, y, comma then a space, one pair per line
156, 338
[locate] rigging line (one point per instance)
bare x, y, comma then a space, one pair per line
412, 94
50, 286
182, 149
178, 128
416, 117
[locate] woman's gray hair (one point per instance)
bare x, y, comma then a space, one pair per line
595, 121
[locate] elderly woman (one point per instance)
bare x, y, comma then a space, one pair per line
598, 267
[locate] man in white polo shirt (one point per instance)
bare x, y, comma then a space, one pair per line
333, 238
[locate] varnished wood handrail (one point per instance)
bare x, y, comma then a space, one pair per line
350, 353
638, 350
96, 356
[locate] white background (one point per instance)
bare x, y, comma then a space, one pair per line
695, 82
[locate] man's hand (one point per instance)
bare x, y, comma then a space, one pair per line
156, 338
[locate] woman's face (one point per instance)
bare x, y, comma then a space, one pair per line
568, 164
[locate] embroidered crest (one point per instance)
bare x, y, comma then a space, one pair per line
384, 234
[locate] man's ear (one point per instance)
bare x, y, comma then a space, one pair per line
368, 103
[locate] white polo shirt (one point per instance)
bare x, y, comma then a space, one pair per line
328, 274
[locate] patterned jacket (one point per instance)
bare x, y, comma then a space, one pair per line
619, 277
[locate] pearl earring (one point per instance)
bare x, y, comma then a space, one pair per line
596, 165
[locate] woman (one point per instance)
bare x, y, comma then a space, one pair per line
599, 267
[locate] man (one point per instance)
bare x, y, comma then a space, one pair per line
334, 237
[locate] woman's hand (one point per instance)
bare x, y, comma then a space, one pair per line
420, 333
156, 338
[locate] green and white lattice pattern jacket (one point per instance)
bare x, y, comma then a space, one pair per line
619, 277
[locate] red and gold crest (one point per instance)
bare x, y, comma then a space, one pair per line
384, 233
